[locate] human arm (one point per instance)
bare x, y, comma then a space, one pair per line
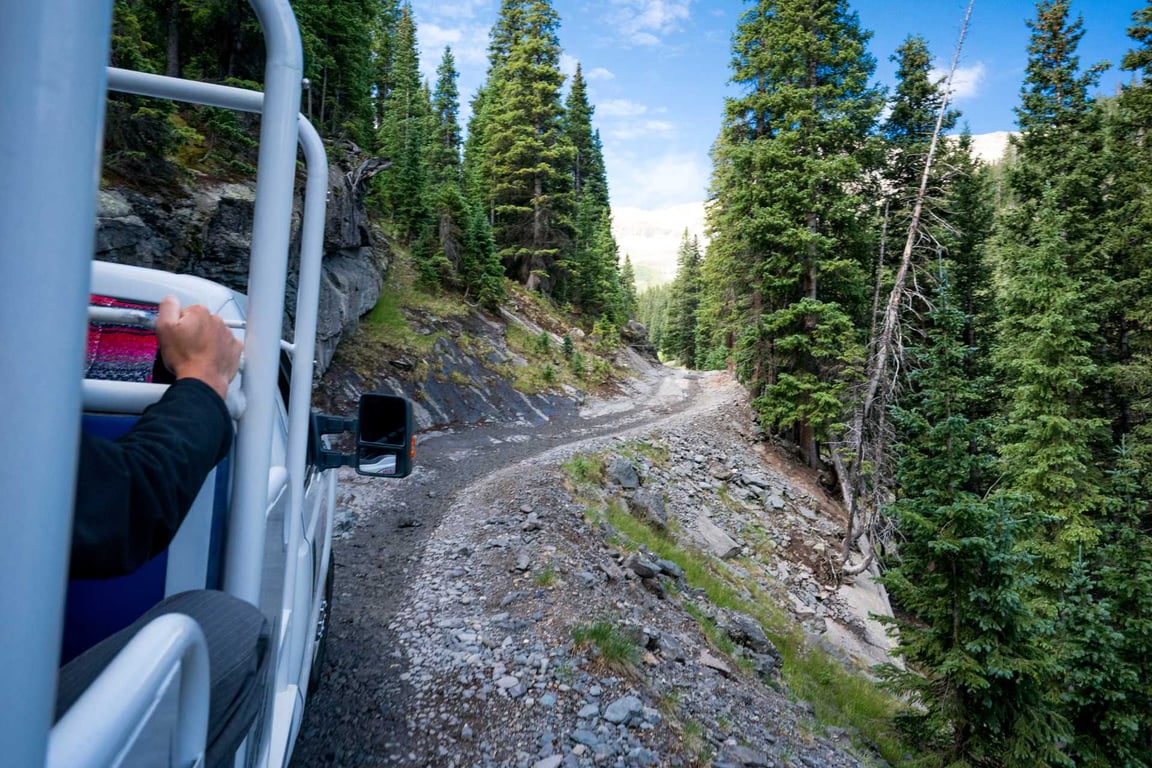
133, 493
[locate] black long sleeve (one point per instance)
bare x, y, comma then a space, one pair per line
133, 493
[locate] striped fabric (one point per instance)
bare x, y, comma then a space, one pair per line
120, 352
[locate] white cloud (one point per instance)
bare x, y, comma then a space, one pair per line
642, 22
646, 180
620, 108
642, 129
436, 37
568, 64
644, 38
469, 44
462, 24
966, 82
599, 73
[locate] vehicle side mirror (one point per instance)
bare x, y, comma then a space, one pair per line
385, 443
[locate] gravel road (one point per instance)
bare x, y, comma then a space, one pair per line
358, 715
462, 591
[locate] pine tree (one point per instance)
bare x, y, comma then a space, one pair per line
787, 217
1128, 245
1105, 629
629, 302
1049, 258
969, 212
980, 670
908, 130
588, 174
401, 137
444, 150
679, 337
1046, 335
581, 263
526, 148
443, 158
480, 270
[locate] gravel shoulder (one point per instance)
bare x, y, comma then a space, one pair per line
458, 591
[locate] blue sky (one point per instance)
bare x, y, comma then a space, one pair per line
658, 69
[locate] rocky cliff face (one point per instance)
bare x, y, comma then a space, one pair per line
207, 231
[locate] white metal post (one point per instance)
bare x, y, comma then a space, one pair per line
275, 177
304, 338
53, 55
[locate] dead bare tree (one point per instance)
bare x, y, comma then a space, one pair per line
852, 454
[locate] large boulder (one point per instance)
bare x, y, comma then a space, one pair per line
622, 473
648, 505
714, 539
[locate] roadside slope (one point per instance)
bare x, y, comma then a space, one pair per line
508, 606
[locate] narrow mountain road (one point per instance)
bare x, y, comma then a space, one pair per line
357, 717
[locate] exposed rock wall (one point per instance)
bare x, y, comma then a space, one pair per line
208, 232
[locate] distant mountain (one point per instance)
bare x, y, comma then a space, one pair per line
651, 237
990, 147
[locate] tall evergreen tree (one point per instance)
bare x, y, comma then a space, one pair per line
588, 174
629, 301
980, 671
528, 152
1049, 258
969, 212
787, 222
402, 135
908, 130
1128, 245
1105, 632
443, 157
1045, 338
679, 337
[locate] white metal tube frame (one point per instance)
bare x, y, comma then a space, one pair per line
98, 729
53, 55
267, 275
311, 258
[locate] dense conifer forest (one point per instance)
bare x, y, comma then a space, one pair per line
965, 350
520, 192
990, 436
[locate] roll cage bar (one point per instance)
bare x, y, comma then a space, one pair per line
54, 55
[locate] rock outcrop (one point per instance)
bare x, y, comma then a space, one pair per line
207, 231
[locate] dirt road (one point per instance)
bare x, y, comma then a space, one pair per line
358, 715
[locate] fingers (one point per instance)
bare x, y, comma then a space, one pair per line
169, 312
197, 344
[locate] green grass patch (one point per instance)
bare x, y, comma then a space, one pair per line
655, 453
614, 650
546, 578
694, 744
585, 469
387, 324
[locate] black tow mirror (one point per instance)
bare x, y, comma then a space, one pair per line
385, 445
385, 439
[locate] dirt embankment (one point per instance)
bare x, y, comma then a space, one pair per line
597, 589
